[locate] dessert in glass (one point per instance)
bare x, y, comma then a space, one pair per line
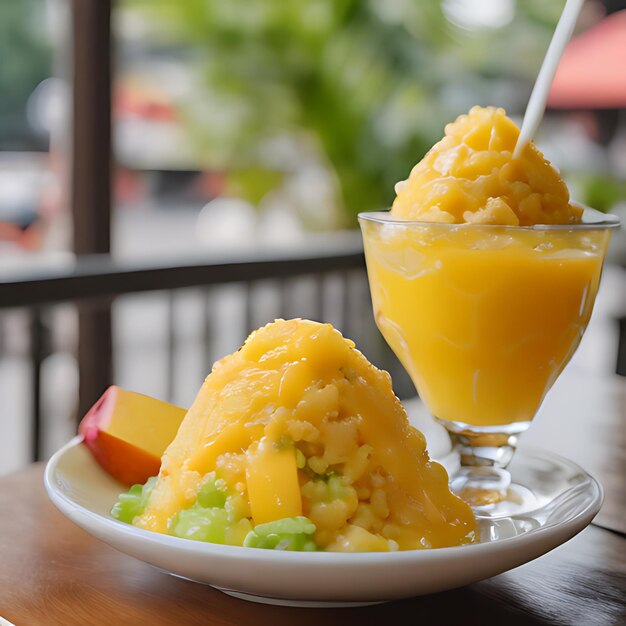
483, 277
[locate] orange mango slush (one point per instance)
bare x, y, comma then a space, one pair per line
483, 318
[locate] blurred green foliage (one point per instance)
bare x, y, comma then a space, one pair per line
25, 60
368, 83
600, 191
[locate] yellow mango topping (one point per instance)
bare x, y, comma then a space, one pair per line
471, 176
272, 481
160, 425
299, 423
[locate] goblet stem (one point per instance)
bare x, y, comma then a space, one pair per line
485, 452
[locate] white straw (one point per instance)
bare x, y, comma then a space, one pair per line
539, 96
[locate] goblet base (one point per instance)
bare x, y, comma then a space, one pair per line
491, 492
483, 480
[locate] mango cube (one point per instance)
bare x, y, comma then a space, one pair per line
128, 432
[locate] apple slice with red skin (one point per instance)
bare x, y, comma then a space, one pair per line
127, 433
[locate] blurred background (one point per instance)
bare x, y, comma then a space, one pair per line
174, 173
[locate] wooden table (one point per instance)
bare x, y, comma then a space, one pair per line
52, 573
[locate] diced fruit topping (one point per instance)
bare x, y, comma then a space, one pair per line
471, 176
201, 524
210, 495
291, 533
133, 502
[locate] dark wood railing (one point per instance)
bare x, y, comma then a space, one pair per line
101, 275
93, 283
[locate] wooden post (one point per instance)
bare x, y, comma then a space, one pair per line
91, 174
37, 354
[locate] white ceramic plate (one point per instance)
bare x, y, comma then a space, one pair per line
568, 499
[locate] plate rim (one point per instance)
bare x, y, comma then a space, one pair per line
69, 508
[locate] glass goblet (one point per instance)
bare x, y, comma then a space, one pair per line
484, 318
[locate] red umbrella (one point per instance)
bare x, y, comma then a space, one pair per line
592, 72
